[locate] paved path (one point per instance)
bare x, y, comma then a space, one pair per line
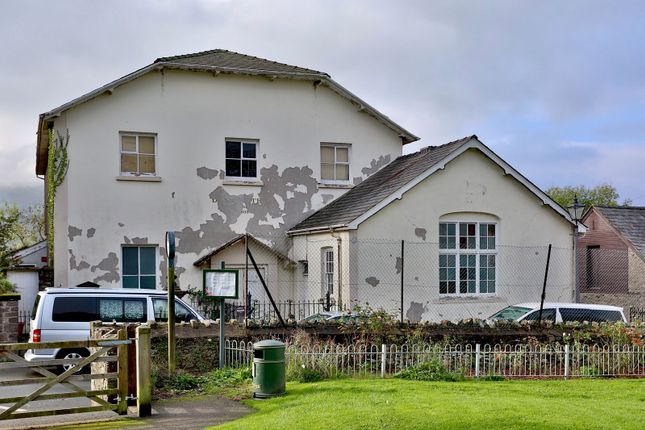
180, 414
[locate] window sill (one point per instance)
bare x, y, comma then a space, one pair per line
339, 186
251, 183
139, 178
478, 298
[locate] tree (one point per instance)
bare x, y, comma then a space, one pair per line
601, 195
19, 229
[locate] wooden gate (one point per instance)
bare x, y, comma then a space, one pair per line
69, 379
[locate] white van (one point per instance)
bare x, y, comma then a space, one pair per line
65, 314
561, 313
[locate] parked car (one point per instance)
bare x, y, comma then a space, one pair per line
333, 316
62, 314
560, 313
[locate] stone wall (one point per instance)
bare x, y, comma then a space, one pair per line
9, 318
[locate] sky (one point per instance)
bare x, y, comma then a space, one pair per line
556, 88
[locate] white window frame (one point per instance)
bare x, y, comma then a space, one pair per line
255, 142
477, 251
157, 274
136, 135
328, 267
336, 162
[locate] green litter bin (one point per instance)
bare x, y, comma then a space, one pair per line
268, 369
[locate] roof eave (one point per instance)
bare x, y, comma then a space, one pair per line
323, 229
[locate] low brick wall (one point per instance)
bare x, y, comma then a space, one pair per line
9, 318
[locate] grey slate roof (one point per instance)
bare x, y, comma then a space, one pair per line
630, 223
222, 59
379, 186
216, 61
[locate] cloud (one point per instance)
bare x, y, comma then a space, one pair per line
527, 77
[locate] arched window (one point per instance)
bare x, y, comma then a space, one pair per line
467, 257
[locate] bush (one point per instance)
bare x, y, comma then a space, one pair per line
305, 374
6, 286
227, 377
184, 382
432, 370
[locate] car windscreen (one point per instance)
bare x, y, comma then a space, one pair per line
510, 313
589, 315
182, 313
547, 315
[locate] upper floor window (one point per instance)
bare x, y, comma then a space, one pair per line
241, 158
139, 263
334, 162
138, 154
467, 257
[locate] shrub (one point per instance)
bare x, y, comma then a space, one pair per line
184, 382
6, 286
432, 370
304, 374
227, 377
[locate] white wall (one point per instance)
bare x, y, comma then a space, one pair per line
192, 114
472, 188
26, 282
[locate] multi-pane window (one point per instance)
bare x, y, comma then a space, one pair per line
334, 162
241, 158
328, 270
138, 154
467, 257
139, 267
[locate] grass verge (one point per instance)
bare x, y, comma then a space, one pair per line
401, 404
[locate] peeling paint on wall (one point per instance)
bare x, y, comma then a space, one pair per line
206, 173
357, 180
284, 200
415, 312
121, 224
420, 233
72, 232
398, 265
372, 281
163, 268
83, 265
326, 198
90, 232
139, 240
172, 195
376, 164
109, 265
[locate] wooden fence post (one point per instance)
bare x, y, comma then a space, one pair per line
144, 388
122, 354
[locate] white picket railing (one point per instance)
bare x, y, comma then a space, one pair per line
508, 361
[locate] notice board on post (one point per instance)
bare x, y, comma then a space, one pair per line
221, 283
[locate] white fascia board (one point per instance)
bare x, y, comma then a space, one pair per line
472, 144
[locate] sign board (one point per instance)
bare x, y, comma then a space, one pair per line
221, 283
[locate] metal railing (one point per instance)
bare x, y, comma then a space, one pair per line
24, 318
264, 311
476, 361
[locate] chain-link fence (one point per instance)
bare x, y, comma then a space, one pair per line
425, 281
612, 276
413, 281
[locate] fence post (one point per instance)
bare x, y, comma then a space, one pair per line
477, 359
402, 275
566, 361
383, 359
144, 387
122, 357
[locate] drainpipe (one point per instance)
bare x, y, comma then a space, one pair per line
339, 242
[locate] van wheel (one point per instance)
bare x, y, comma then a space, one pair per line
71, 354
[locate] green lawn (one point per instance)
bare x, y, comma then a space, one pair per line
397, 404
